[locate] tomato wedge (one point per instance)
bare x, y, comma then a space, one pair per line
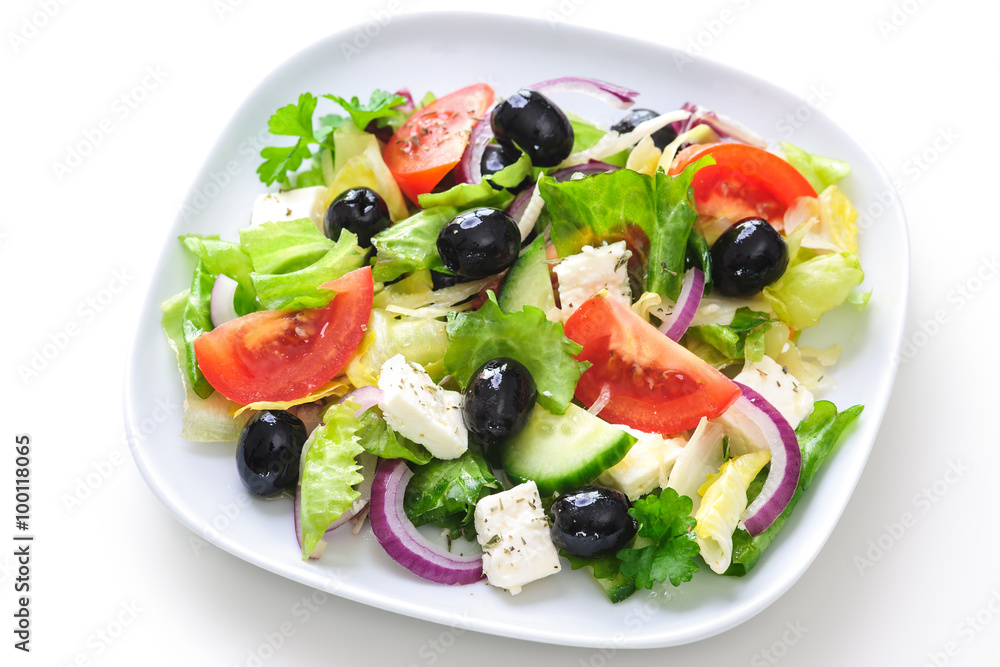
655, 385
281, 355
432, 141
745, 181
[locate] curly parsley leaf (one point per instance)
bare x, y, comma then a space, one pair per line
380, 105
668, 546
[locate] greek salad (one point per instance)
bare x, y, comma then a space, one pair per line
569, 344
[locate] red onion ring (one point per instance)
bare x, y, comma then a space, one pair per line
723, 125
679, 319
470, 167
221, 307
400, 539
408, 106
616, 96
786, 461
366, 397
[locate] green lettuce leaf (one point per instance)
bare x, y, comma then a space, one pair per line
817, 436
810, 288
328, 473
491, 191
743, 339
301, 288
525, 336
205, 419
411, 244
227, 258
821, 172
198, 320
653, 213
284, 246
377, 438
586, 135
445, 493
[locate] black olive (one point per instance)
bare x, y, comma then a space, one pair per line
440, 280
495, 158
533, 123
267, 455
358, 210
631, 120
479, 243
748, 257
498, 400
593, 521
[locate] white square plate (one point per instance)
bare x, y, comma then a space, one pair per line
440, 53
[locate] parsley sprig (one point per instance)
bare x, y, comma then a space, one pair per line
665, 547
296, 120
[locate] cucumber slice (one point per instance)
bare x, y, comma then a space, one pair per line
563, 452
528, 282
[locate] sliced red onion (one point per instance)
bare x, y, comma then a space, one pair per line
221, 305
786, 460
592, 167
408, 106
602, 400
679, 319
366, 397
617, 96
400, 538
368, 463
723, 125
470, 167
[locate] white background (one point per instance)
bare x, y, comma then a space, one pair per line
914, 82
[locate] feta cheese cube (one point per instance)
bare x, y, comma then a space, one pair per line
291, 205
779, 387
514, 533
639, 472
422, 411
590, 270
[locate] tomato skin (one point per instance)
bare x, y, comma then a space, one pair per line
281, 355
432, 141
744, 182
656, 385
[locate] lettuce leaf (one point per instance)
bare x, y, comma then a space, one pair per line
283, 246
301, 289
491, 191
328, 473
377, 438
810, 288
817, 435
821, 172
525, 336
205, 419
422, 340
445, 493
653, 214
227, 258
411, 244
